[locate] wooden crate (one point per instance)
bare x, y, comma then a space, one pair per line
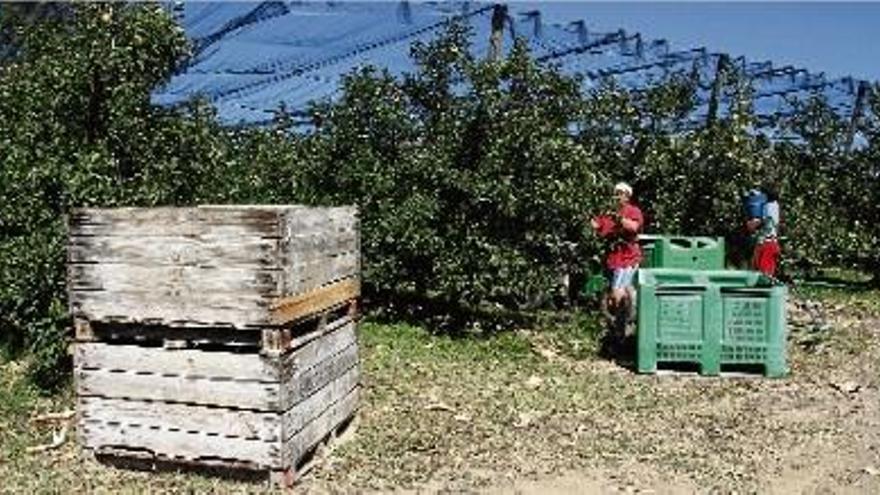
221, 335
216, 405
238, 267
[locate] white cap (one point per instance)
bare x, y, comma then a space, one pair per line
623, 186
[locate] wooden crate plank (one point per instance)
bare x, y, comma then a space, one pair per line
187, 363
184, 417
295, 307
315, 245
199, 377
210, 309
176, 251
335, 414
317, 218
305, 382
257, 396
177, 281
180, 445
340, 335
298, 416
172, 222
301, 278
278, 341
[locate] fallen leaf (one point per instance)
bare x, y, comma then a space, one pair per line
62, 416
847, 387
58, 439
546, 353
523, 420
534, 382
526, 419
439, 406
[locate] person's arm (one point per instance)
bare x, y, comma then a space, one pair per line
771, 213
603, 225
632, 221
630, 225
771, 218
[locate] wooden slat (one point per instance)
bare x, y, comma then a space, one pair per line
335, 414
173, 222
278, 341
300, 279
303, 260
177, 281
314, 219
340, 335
328, 242
187, 363
257, 396
190, 419
185, 376
295, 307
298, 416
304, 383
181, 445
207, 310
184, 417
206, 251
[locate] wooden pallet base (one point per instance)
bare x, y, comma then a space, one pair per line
142, 460
277, 341
273, 341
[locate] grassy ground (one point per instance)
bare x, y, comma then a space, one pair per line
538, 411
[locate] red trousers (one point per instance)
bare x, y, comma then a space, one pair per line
766, 257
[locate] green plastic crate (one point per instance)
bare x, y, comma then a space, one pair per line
594, 285
753, 328
648, 243
680, 277
710, 318
697, 253
595, 282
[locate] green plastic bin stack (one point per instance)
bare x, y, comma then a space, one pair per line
711, 318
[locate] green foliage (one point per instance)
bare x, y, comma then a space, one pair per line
812, 173
863, 188
470, 184
74, 114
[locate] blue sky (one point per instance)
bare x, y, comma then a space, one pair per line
838, 38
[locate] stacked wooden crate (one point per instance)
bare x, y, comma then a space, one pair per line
220, 335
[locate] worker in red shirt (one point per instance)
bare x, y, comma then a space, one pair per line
625, 253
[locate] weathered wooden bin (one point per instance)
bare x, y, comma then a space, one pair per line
220, 335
